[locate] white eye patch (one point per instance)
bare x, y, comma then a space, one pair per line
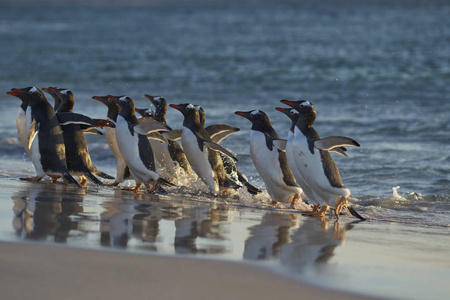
33, 90
124, 98
255, 112
190, 106
293, 112
157, 98
64, 92
305, 104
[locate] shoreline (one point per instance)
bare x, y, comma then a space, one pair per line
37, 271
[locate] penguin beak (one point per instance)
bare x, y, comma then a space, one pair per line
175, 106
98, 98
242, 114
46, 90
12, 93
288, 102
17, 91
283, 110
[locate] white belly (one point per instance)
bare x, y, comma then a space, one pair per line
110, 134
129, 148
312, 172
268, 166
198, 160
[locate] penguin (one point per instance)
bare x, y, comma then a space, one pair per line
314, 163
50, 154
77, 154
218, 132
293, 115
201, 152
134, 145
145, 112
23, 122
123, 172
269, 160
171, 156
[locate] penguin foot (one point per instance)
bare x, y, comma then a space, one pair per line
294, 201
155, 183
314, 210
224, 192
321, 213
115, 183
35, 178
82, 181
135, 189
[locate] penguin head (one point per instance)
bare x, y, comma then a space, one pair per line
67, 99
292, 113
258, 118
186, 109
145, 112
201, 113
160, 105
31, 94
305, 109
19, 94
110, 102
126, 105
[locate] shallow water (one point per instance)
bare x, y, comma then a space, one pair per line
375, 72
379, 258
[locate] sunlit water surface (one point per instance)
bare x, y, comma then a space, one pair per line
375, 71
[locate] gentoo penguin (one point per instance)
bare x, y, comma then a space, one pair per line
134, 145
51, 154
23, 122
123, 172
78, 159
171, 156
293, 115
201, 152
218, 132
269, 160
314, 163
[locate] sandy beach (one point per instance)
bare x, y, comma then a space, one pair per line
35, 271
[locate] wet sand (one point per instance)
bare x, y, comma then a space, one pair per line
36, 271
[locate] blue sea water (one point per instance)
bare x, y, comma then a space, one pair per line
376, 71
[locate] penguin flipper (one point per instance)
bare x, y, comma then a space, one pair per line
217, 147
149, 125
332, 142
157, 136
103, 175
93, 178
92, 130
66, 118
70, 179
173, 134
218, 132
354, 213
32, 132
280, 144
340, 150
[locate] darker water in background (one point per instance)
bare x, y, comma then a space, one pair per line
377, 72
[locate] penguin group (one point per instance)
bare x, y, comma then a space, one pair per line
298, 171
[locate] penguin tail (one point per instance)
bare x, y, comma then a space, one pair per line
251, 189
94, 179
103, 175
165, 182
354, 213
70, 179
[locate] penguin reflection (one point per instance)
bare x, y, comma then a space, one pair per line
267, 239
196, 223
313, 244
122, 220
44, 211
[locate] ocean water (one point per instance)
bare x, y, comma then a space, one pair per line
378, 72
